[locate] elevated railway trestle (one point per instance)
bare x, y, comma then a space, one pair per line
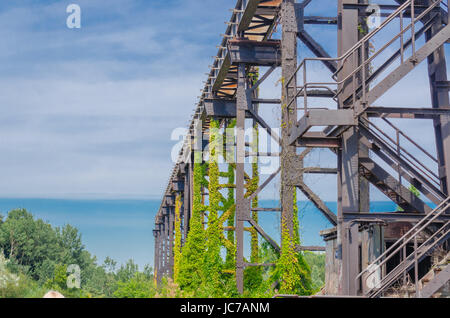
368, 254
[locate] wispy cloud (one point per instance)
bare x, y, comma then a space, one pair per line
91, 111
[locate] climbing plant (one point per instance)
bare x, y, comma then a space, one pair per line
213, 260
306, 270
292, 272
414, 191
253, 275
191, 272
201, 267
230, 258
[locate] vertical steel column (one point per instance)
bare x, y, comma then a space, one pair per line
161, 249
166, 243
437, 72
155, 257
288, 116
186, 202
241, 104
197, 146
171, 239
351, 192
160, 252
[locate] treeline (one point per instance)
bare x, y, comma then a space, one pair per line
34, 258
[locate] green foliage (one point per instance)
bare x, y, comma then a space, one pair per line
127, 271
213, 261
316, 262
414, 191
35, 248
59, 279
288, 272
138, 286
230, 259
292, 271
253, 275
109, 264
8, 281
34, 258
191, 264
169, 289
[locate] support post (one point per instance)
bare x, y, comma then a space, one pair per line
186, 202
288, 115
437, 72
353, 191
167, 246
156, 255
171, 240
240, 179
163, 248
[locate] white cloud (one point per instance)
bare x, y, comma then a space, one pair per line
91, 113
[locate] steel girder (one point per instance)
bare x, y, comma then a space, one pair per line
227, 95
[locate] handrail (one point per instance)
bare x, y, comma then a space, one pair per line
361, 43
410, 140
231, 31
405, 239
403, 153
375, 31
418, 253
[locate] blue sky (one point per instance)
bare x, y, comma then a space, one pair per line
89, 113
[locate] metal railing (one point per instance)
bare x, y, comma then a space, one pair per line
411, 236
359, 51
422, 170
231, 31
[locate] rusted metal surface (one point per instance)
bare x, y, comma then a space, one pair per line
355, 245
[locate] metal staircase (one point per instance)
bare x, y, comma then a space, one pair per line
392, 188
355, 91
423, 246
359, 51
361, 87
408, 166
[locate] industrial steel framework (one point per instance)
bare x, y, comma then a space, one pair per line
366, 253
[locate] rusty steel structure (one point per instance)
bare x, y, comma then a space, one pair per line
367, 254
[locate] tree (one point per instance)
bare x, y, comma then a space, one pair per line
127, 271
138, 286
36, 248
8, 280
71, 245
316, 261
28, 242
109, 264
